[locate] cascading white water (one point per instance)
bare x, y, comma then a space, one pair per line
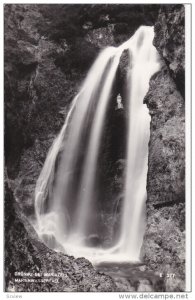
89, 170
52, 221
58, 213
144, 65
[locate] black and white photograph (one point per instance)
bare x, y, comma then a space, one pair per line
95, 148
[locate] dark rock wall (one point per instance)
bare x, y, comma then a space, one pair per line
164, 242
37, 92
170, 40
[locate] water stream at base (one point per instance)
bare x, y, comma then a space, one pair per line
64, 211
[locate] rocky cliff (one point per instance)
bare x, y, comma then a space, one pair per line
170, 42
164, 243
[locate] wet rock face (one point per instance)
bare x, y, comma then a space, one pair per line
170, 41
35, 86
166, 169
24, 252
164, 241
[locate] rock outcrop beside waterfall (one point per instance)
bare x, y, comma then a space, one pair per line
170, 42
164, 242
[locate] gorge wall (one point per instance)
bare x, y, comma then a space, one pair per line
164, 241
46, 60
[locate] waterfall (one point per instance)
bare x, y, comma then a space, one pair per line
144, 65
65, 190
90, 165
